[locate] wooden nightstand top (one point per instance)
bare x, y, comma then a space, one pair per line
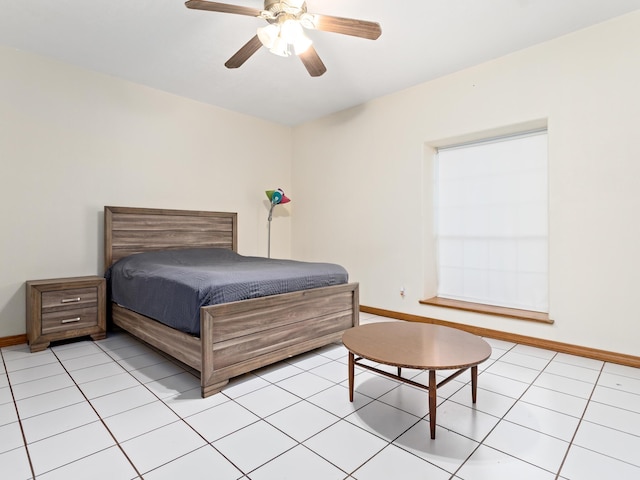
64, 282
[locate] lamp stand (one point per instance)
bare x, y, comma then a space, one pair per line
276, 197
269, 230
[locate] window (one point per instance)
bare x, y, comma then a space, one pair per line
491, 210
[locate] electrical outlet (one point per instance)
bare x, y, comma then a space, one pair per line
403, 292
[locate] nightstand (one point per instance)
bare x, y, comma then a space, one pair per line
63, 308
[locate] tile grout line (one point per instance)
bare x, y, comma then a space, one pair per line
183, 420
501, 419
99, 417
180, 418
566, 454
113, 359
481, 442
15, 406
264, 419
339, 419
302, 399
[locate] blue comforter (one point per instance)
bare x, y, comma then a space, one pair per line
171, 285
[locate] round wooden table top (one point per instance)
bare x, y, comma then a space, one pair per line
416, 345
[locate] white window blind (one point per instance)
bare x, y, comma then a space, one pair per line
491, 222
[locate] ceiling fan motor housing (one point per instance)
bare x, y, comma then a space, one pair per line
276, 7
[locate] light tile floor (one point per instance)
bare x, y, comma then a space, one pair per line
117, 409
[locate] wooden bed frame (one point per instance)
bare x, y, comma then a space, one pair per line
235, 337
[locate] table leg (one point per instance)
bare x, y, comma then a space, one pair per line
399, 371
432, 402
474, 383
351, 368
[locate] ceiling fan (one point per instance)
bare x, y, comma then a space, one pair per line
285, 30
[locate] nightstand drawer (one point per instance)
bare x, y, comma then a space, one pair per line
69, 298
69, 319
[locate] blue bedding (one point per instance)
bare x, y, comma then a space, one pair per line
171, 285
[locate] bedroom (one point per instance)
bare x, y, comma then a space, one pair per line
74, 140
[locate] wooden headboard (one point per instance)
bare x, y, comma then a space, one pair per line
129, 230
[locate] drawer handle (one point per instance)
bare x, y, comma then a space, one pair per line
70, 300
70, 320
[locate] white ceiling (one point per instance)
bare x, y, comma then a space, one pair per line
162, 44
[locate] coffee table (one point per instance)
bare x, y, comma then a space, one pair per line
419, 346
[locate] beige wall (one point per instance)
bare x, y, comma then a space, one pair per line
363, 187
72, 141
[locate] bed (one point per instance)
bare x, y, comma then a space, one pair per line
235, 337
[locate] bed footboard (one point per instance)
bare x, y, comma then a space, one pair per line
241, 336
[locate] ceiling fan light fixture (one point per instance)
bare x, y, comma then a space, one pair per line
302, 44
280, 37
292, 32
280, 47
268, 34
307, 20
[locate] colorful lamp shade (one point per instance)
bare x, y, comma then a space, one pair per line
276, 197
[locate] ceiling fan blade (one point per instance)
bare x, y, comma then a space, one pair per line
222, 7
312, 62
347, 26
242, 55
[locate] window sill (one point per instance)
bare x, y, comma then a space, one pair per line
489, 309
